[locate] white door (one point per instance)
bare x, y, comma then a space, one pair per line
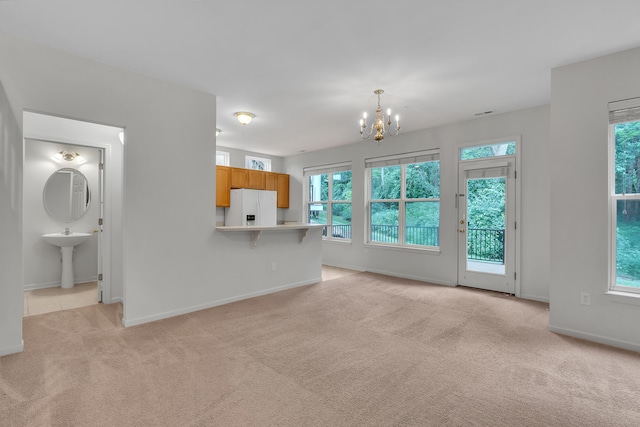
100, 225
486, 224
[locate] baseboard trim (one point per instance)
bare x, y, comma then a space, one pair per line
45, 285
595, 338
534, 298
12, 350
191, 309
411, 277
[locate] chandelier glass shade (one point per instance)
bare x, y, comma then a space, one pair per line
381, 124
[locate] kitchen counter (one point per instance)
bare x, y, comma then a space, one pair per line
256, 231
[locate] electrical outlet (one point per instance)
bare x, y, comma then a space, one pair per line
585, 298
273, 266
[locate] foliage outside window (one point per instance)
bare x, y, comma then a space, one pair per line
257, 163
624, 140
329, 201
222, 158
404, 200
490, 150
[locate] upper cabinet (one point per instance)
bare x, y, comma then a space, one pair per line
223, 185
228, 178
239, 178
257, 179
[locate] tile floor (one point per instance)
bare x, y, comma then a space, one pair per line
329, 272
40, 301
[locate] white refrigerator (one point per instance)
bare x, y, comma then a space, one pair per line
251, 207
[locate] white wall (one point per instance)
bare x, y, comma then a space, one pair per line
237, 157
11, 295
580, 94
172, 259
531, 124
42, 266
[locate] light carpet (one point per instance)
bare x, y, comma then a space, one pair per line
361, 350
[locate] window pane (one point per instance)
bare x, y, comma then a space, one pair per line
319, 188
627, 149
493, 150
423, 180
341, 185
422, 219
318, 213
628, 243
341, 220
384, 222
385, 183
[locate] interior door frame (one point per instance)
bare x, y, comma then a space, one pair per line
517, 226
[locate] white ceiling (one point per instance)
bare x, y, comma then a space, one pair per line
307, 69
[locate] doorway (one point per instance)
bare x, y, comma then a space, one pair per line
109, 142
487, 224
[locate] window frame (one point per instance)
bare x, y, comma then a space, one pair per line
226, 157
401, 160
328, 170
618, 106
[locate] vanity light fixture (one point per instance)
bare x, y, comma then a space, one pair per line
69, 156
244, 117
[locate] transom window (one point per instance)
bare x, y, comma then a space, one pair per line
329, 199
624, 148
257, 163
404, 200
222, 158
507, 148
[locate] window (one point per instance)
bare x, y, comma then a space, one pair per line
490, 150
257, 163
404, 200
624, 144
329, 199
222, 158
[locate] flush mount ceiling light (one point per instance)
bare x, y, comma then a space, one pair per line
244, 117
218, 131
381, 124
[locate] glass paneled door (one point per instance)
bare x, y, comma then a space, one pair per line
486, 224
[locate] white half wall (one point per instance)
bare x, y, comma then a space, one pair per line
533, 127
171, 258
580, 94
11, 295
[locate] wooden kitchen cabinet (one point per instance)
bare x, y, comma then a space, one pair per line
283, 190
223, 186
239, 178
256, 179
271, 181
228, 178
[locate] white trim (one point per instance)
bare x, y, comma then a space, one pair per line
595, 338
13, 349
191, 309
518, 189
620, 297
45, 285
427, 250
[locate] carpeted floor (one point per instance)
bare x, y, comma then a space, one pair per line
359, 350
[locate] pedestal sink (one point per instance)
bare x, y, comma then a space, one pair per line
66, 243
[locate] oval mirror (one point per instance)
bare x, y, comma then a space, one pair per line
66, 195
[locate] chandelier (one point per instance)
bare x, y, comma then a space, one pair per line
381, 124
